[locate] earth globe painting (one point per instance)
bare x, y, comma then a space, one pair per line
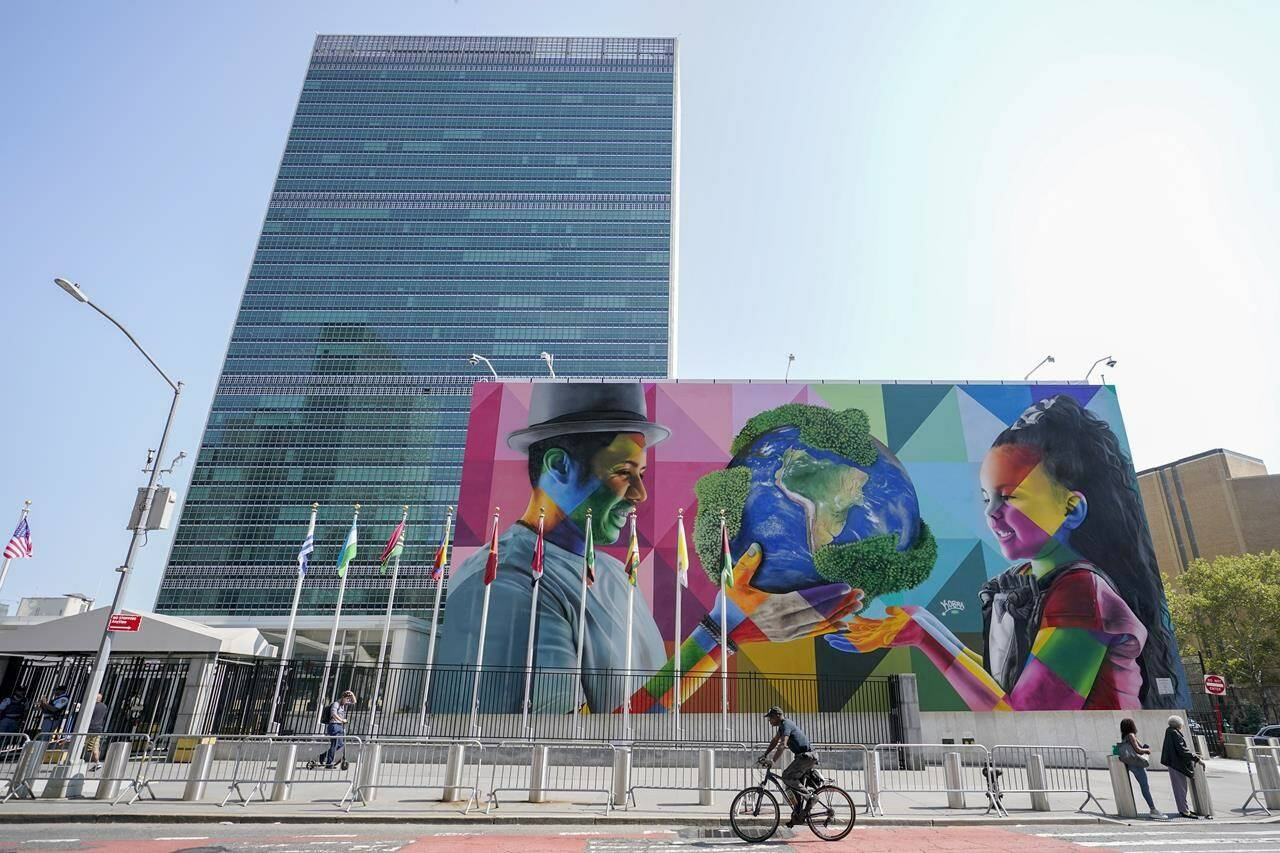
825, 500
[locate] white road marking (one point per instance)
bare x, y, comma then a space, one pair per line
1183, 841
181, 838
51, 841
589, 832
349, 835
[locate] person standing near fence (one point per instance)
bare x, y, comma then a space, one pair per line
13, 711
1181, 762
1134, 755
54, 710
97, 725
335, 726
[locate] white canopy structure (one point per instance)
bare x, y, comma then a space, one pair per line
81, 633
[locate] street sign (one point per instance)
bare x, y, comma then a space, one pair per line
1215, 685
124, 622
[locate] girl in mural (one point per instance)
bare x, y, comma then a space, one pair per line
1079, 621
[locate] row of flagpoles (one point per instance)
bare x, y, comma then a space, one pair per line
391, 555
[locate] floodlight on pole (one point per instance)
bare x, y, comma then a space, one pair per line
93, 686
548, 358
1048, 359
1108, 360
476, 358
791, 357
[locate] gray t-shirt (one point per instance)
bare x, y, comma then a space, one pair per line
797, 741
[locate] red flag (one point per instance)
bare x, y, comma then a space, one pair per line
491, 567
537, 554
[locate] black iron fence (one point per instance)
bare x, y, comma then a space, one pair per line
418, 700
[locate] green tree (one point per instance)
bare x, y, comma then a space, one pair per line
1228, 609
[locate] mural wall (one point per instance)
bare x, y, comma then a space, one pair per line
988, 538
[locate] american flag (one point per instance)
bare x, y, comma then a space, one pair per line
19, 543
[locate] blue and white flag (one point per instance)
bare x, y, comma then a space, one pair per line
304, 554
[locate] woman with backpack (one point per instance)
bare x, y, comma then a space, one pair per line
1133, 753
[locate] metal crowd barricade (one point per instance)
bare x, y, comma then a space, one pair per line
250, 760
1040, 770
67, 762
419, 765
168, 762
1263, 763
582, 767
846, 765
299, 760
913, 768
676, 767
11, 748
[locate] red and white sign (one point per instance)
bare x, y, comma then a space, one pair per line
124, 622
1215, 685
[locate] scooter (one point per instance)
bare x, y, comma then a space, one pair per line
318, 761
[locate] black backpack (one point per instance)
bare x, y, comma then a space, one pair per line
326, 716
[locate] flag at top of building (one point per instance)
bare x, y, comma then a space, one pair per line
682, 553
394, 548
538, 548
633, 553
442, 553
348, 552
19, 546
491, 567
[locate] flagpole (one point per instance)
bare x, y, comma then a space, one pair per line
484, 621
724, 637
286, 651
386, 630
525, 708
631, 612
337, 615
580, 691
675, 702
4, 571
435, 619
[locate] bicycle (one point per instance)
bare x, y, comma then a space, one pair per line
827, 809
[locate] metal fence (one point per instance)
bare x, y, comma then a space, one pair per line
1039, 771
951, 769
1264, 777
584, 768
449, 767
240, 703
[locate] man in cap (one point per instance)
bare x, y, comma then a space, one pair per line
587, 445
804, 759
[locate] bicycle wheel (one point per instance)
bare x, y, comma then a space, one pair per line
754, 815
831, 813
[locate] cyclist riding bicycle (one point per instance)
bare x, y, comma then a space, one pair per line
805, 759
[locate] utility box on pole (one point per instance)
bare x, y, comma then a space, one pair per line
161, 509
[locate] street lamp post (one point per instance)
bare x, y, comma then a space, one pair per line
476, 358
1048, 359
1110, 362
94, 685
550, 360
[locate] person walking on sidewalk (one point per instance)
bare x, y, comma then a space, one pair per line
97, 725
1181, 762
1135, 754
335, 726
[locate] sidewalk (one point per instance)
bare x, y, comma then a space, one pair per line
319, 804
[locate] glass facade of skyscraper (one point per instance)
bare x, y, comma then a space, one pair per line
438, 196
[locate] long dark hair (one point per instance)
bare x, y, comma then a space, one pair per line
1080, 452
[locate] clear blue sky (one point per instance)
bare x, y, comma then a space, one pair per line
890, 190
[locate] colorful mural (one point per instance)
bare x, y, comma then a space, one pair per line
987, 537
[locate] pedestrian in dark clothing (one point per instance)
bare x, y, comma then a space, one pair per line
1181, 762
54, 710
335, 725
13, 711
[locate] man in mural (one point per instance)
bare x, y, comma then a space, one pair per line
588, 450
1079, 621
821, 517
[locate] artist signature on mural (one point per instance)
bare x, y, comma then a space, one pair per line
950, 605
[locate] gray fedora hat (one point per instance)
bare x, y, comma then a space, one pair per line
565, 408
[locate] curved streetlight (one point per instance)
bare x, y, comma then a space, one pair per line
548, 358
1110, 362
94, 685
476, 358
1048, 359
791, 357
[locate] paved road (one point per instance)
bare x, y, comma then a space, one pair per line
1179, 837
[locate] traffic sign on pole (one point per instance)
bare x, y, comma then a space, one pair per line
129, 622
1215, 685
